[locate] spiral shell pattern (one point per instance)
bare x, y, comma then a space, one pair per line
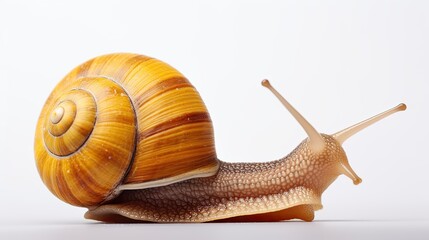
120, 120
76, 160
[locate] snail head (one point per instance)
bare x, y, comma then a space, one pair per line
328, 148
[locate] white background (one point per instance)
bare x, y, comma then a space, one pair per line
337, 62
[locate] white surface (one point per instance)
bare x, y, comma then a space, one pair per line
250, 231
337, 62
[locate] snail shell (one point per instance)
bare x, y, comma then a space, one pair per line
122, 121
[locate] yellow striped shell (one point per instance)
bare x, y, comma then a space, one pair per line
122, 121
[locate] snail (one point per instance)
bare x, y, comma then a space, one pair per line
128, 137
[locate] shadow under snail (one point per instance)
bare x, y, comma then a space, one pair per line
128, 137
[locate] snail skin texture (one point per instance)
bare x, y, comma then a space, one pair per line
128, 137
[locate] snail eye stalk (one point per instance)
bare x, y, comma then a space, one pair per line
316, 141
344, 134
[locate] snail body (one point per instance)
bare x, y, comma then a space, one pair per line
128, 137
